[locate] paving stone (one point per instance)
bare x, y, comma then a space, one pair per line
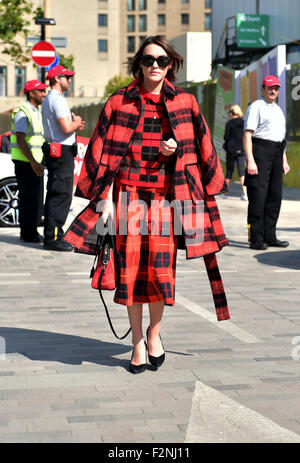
65, 378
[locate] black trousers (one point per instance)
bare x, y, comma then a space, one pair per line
264, 190
31, 192
59, 191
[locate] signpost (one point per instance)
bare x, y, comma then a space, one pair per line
43, 22
252, 30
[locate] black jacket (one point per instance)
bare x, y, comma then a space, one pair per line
233, 136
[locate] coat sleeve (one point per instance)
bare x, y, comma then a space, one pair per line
212, 172
92, 158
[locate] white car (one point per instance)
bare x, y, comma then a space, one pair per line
9, 212
9, 192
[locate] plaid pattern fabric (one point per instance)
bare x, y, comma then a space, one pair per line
217, 287
198, 174
144, 164
146, 261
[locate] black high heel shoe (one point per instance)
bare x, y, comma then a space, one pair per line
156, 361
135, 369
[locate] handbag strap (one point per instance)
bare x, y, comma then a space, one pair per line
105, 259
106, 309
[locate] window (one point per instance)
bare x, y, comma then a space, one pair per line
185, 1
131, 5
161, 19
3, 81
102, 45
102, 20
20, 79
185, 18
130, 23
207, 21
143, 4
142, 39
207, 3
142, 22
161, 1
131, 45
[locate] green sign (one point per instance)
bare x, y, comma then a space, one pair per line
252, 30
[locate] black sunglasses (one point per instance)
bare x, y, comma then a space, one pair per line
64, 75
162, 61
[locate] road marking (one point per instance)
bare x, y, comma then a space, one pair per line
15, 275
216, 418
20, 282
286, 270
77, 273
224, 325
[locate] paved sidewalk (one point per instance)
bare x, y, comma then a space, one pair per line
64, 378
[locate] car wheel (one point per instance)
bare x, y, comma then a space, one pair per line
9, 203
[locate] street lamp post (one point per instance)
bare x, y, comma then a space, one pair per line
43, 22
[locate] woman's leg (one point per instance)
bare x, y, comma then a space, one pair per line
242, 179
228, 182
135, 314
156, 310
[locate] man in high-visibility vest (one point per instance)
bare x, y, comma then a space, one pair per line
27, 138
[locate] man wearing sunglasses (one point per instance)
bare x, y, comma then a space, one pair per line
264, 142
26, 152
60, 148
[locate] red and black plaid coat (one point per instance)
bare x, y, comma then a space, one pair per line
198, 174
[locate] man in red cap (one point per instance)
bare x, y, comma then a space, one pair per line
264, 143
60, 147
26, 152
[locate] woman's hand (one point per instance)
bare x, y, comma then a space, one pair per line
168, 147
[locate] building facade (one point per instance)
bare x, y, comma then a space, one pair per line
102, 35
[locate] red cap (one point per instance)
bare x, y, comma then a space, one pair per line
57, 70
34, 85
271, 80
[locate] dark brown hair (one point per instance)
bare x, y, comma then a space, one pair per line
161, 41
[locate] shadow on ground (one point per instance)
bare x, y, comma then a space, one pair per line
15, 240
284, 259
63, 348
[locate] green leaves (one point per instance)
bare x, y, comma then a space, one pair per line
14, 28
115, 83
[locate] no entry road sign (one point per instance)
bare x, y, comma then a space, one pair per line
43, 53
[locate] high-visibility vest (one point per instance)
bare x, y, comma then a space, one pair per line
34, 136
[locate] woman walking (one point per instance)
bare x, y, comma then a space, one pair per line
235, 154
152, 147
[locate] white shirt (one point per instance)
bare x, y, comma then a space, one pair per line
54, 107
266, 120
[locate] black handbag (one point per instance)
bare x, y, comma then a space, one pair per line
105, 258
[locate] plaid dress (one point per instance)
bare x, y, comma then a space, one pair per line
146, 248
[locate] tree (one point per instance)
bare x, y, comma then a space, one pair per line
115, 83
14, 22
66, 61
